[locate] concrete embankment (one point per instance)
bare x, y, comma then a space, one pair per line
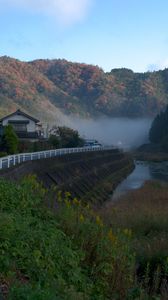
89, 176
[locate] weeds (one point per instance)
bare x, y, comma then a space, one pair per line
70, 251
67, 253
145, 213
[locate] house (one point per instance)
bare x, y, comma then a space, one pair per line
25, 126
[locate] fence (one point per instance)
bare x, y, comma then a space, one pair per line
12, 160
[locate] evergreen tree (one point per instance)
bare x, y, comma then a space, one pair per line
10, 140
159, 129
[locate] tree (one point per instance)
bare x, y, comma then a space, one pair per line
69, 137
10, 140
54, 141
159, 130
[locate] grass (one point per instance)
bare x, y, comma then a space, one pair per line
61, 252
154, 157
53, 247
144, 212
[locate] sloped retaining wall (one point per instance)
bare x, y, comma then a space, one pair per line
89, 176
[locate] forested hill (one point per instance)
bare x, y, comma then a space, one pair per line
48, 88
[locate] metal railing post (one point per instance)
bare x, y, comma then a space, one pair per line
8, 161
1, 163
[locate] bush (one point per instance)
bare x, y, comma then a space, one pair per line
10, 140
54, 141
69, 138
2, 154
28, 146
106, 255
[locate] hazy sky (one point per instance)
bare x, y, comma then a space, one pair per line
108, 33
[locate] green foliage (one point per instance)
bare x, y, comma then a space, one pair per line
28, 146
72, 254
69, 137
164, 143
10, 140
68, 254
66, 137
2, 154
54, 141
102, 250
159, 129
144, 212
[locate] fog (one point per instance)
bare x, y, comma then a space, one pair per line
121, 132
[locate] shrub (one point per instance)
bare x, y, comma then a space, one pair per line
10, 140
54, 141
28, 146
105, 255
69, 137
2, 154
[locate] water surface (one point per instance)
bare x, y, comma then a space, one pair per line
143, 171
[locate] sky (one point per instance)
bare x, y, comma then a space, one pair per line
108, 33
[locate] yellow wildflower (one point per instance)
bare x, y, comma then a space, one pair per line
54, 188
81, 218
67, 194
68, 203
76, 201
127, 232
44, 191
59, 193
59, 196
99, 221
111, 236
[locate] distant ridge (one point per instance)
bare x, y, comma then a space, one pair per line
51, 89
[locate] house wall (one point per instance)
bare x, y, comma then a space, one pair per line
31, 126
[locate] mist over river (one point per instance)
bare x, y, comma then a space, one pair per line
123, 132
127, 134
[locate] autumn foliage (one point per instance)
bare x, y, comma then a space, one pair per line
48, 87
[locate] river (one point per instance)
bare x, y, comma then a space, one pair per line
143, 171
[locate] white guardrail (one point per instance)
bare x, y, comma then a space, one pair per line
12, 160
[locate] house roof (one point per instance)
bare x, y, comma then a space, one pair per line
19, 112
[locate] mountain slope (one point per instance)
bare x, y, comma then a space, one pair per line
22, 86
50, 89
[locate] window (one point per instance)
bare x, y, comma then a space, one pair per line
20, 127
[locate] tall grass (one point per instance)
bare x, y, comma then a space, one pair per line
70, 251
145, 213
67, 253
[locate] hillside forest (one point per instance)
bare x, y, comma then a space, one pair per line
51, 89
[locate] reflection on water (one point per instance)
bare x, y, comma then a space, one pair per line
159, 171
143, 171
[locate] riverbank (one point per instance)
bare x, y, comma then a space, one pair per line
149, 156
75, 252
88, 175
57, 247
67, 253
143, 171
150, 152
144, 214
